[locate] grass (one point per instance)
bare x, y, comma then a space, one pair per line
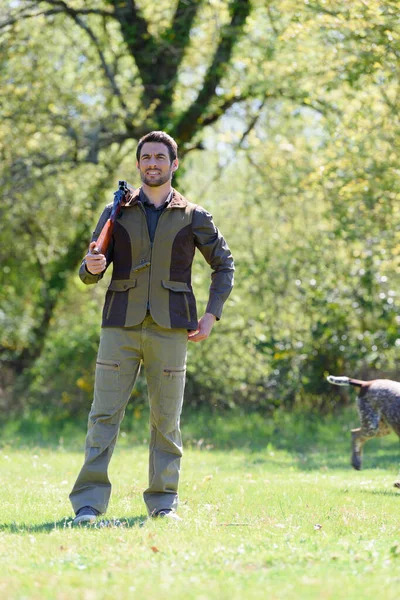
271, 509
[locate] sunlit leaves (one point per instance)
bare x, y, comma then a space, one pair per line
300, 171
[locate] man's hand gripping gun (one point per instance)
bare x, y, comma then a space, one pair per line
121, 197
96, 258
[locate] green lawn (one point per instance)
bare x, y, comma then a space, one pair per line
270, 510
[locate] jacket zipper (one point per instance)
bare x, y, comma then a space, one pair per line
151, 248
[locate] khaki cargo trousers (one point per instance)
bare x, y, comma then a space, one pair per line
121, 352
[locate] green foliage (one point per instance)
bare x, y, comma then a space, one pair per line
287, 116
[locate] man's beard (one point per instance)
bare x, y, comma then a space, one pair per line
156, 181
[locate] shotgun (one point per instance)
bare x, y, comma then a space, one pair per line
121, 196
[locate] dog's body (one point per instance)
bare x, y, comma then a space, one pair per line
378, 404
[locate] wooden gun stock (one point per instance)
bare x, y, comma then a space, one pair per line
103, 241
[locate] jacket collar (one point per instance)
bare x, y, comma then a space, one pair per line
177, 200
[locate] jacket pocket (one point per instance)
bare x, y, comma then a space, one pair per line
112, 365
174, 372
181, 287
171, 398
175, 286
122, 285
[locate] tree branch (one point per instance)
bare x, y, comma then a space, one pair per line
230, 101
55, 281
221, 109
252, 124
24, 14
175, 41
81, 11
106, 68
318, 8
191, 121
239, 145
141, 44
75, 14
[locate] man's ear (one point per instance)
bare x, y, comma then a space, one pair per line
175, 164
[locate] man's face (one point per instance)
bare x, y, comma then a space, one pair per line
154, 165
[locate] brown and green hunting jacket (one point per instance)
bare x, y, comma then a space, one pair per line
157, 276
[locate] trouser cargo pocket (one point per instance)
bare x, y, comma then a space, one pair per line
107, 374
171, 397
107, 393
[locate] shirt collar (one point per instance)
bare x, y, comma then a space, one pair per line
175, 201
145, 200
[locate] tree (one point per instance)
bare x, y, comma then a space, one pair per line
83, 83
297, 105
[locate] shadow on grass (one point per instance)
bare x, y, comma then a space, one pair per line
380, 492
122, 523
379, 458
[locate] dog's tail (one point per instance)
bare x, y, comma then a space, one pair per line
345, 381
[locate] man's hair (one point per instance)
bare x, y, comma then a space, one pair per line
161, 137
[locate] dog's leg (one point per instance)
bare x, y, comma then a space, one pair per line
359, 437
369, 420
397, 431
372, 425
356, 448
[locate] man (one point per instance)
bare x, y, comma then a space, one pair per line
148, 316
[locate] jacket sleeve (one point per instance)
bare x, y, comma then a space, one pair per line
215, 250
84, 274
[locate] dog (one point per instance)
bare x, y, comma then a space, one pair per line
378, 405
